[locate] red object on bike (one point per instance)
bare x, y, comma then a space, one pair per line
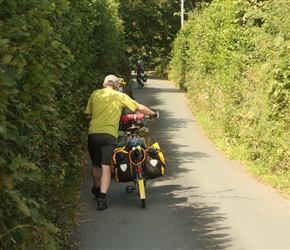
138, 118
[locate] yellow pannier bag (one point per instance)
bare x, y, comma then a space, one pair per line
155, 162
160, 153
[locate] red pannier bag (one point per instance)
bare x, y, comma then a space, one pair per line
133, 119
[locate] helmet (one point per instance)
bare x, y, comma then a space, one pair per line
122, 81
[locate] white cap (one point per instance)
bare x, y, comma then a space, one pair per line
111, 80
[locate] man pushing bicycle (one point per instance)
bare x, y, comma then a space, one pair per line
104, 109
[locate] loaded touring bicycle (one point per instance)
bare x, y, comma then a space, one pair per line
135, 159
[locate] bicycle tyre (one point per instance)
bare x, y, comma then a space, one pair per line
143, 203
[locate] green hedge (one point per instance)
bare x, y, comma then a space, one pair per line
233, 59
53, 54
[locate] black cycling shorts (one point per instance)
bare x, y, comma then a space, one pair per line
101, 148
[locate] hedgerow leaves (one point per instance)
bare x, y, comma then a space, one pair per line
51, 59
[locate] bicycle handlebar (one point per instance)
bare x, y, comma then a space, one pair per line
151, 117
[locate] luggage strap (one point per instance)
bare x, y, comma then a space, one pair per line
144, 153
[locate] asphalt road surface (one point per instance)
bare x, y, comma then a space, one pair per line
204, 200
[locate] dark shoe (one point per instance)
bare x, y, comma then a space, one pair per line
102, 205
95, 192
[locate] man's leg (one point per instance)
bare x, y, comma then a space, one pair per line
108, 148
96, 176
94, 147
106, 178
105, 183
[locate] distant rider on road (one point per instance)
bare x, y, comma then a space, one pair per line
139, 67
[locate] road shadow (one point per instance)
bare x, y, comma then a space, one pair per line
161, 131
200, 224
204, 220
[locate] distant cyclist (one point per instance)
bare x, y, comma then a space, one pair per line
141, 77
139, 67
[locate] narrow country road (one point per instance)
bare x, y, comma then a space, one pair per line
204, 200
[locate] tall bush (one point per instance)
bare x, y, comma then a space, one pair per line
236, 61
51, 59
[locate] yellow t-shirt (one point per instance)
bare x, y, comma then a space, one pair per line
105, 106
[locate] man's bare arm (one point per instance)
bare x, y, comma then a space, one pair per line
143, 109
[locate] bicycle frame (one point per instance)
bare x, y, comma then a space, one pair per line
137, 157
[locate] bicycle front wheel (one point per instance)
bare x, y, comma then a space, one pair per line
142, 192
143, 203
